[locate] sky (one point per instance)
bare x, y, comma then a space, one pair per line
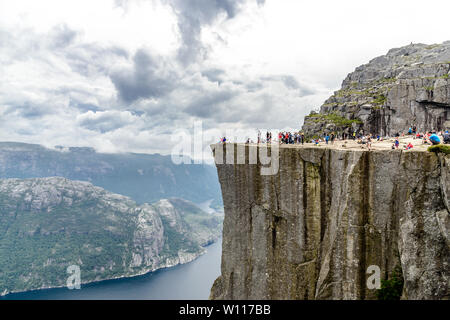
135, 76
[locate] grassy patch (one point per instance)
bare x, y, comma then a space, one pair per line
380, 100
432, 46
334, 118
349, 92
385, 81
440, 148
341, 121
391, 289
313, 115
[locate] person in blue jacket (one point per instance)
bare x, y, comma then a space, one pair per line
435, 139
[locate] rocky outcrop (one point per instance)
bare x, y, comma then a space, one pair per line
408, 86
311, 230
49, 224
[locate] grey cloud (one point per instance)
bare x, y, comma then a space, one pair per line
28, 110
210, 105
218, 103
214, 75
120, 3
291, 82
25, 132
136, 112
254, 86
257, 114
19, 45
194, 14
84, 107
104, 121
147, 78
119, 51
32, 111
62, 36
88, 59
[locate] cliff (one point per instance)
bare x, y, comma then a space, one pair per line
409, 86
48, 224
312, 229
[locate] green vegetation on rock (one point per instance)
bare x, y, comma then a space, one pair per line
391, 289
440, 148
333, 118
379, 100
432, 46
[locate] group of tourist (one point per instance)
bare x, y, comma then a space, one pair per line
261, 140
291, 138
431, 138
286, 137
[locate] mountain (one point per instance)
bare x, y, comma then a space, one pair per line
48, 224
142, 177
409, 86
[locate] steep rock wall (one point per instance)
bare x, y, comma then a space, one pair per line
409, 86
311, 230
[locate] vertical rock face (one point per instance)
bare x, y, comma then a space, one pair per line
311, 230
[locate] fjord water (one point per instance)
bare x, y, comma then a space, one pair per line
189, 281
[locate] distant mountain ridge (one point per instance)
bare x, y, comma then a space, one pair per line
142, 177
48, 224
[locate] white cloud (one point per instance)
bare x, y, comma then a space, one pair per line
122, 75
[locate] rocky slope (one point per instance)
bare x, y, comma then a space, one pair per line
408, 86
311, 230
48, 224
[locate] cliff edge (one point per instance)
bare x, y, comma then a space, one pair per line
312, 229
